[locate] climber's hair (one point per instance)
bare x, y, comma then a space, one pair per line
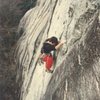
54, 40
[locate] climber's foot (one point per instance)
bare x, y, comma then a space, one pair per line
49, 71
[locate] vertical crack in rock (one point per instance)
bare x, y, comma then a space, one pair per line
52, 14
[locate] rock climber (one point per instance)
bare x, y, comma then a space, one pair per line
51, 44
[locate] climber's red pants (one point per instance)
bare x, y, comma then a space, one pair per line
48, 59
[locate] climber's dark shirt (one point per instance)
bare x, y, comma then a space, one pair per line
47, 48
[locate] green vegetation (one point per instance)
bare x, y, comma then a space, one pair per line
27, 4
11, 11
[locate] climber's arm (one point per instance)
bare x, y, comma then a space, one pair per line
60, 44
41, 55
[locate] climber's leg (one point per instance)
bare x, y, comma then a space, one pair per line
48, 59
49, 62
45, 58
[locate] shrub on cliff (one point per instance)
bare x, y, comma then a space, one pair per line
26, 5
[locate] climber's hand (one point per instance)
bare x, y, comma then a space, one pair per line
40, 61
63, 41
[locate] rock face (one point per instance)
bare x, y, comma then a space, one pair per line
76, 73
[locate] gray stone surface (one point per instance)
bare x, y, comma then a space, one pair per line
77, 68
